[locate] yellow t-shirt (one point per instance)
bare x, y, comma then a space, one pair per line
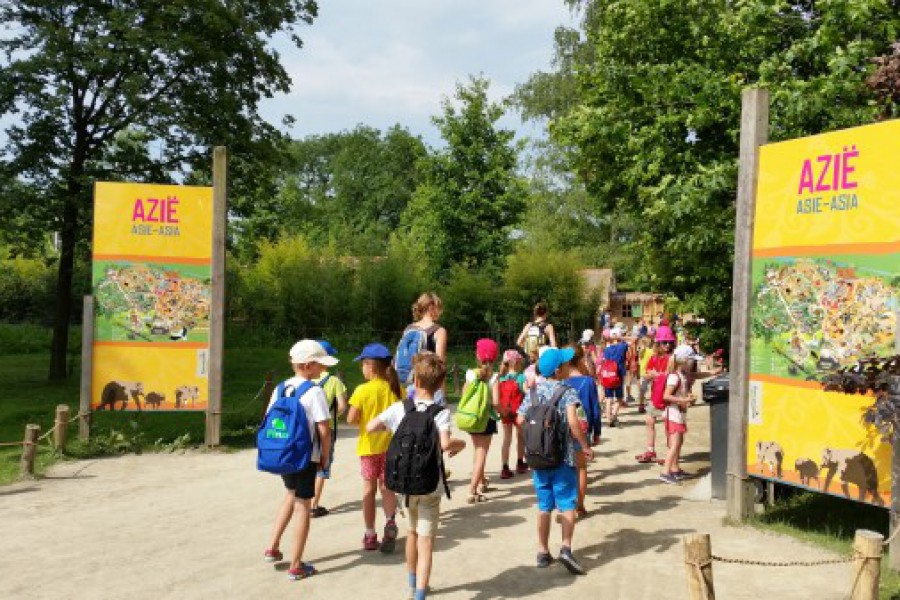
645, 359
371, 399
333, 388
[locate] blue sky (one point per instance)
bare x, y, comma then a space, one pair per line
381, 62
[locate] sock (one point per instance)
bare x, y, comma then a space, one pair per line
412, 580
420, 594
370, 532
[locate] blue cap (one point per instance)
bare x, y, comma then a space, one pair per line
374, 351
553, 358
331, 350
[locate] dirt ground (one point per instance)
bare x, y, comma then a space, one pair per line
195, 526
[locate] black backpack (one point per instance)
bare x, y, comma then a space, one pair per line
414, 465
544, 432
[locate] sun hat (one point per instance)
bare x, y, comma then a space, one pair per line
615, 334
587, 336
486, 350
331, 350
511, 355
664, 334
375, 350
308, 351
685, 352
553, 358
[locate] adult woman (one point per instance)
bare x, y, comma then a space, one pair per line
426, 311
537, 332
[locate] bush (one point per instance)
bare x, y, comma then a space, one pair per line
26, 290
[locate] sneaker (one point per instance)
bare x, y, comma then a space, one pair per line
319, 511
305, 570
668, 478
272, 555
680, 475
389, 540
543, 560
569, 562
370, 541
647, 457
521, 467
642, 410
614, 423
506, 473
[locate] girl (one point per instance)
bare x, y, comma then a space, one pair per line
632, 368
678, 398
486, 352
589, 416
382, 388
511, 392
531, 374
645, 353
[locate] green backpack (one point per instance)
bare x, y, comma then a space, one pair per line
474, 408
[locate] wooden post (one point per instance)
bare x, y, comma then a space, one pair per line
60, 427
754, 133
867, 546
770, 493
29, 449
698, 565
87, 369
217, 313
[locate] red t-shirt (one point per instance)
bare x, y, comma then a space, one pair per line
658, 363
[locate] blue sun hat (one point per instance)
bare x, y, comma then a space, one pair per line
331, 350
376, 350
553, 358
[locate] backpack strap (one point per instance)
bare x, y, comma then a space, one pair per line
558, 394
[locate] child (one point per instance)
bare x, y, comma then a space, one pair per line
678, 397
615, 396
557, 488
530, 372
382, 388
645, 353
511, 391
588, 419
660, 362
336, 395
486, 352
309, 361
429, 374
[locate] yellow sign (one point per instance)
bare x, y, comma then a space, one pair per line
825, 276
152, 295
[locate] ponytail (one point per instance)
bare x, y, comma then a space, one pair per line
504, 368
385, 370
485, 371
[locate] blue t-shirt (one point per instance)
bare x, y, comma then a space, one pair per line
544, 391
586, 388
617, 352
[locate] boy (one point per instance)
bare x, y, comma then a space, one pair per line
558, 487
336, 395
429, 373
308, 360
617, 352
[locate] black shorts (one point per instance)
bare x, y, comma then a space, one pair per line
302, 483
490, 428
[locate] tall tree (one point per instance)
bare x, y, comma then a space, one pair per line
187, 74
470, 196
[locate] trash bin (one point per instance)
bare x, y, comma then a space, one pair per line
715, 393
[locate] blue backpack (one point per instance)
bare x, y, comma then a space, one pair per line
283, 442
414, 340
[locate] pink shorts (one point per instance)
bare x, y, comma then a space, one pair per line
673, 427
372, 467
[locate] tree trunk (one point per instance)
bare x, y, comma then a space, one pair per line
63, 310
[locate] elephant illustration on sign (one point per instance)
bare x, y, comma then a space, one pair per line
154, 399
770, 454
183, 393
119, 392
807, 470
851, 466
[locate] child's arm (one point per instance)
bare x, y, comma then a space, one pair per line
575, 429
452, 446
521, 339
495, 394
353, 415
324, 429
341, 404
374, 425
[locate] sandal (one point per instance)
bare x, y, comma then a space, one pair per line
319, 511
271, 555
305, 570
581, 513
646, 457
476, 498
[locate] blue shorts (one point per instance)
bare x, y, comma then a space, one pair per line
556, 488
617, 393
326, 473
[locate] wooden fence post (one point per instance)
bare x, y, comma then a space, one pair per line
754, 133
217, 312
868, 548
61, 427
29, 448
698, 565
87, 369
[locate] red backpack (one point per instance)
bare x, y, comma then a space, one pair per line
511, 397
609, 374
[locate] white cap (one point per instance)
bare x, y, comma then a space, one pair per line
587, 336
616, 333
307, 351
685, 352
543, 349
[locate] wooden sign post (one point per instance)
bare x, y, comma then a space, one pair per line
217, 314
87, 369
754, 133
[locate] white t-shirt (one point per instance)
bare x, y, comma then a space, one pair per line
673, 412
472, 375
314, 404
396, 411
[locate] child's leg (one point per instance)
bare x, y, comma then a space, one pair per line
520, 443
679, 443
411, 557
282, 518
425, 549
480, 443
302, 508
675, 440
368, 503
567, 518
651, 432
544, 532
507, 442
581, 463
388, 500
320, 485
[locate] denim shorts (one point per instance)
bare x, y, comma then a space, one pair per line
556, 488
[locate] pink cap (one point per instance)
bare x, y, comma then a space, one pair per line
512, 355
664, 334
486, 350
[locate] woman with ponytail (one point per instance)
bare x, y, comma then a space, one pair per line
382, 388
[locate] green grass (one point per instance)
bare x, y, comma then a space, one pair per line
829, 522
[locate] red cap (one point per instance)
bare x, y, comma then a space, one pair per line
486, 350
